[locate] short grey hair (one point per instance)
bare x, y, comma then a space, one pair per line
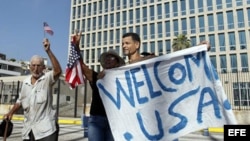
37, 57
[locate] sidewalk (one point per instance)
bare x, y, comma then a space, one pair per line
71, 130
62, 120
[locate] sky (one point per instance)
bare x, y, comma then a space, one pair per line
21, 28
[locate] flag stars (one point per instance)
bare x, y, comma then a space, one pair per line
73, 57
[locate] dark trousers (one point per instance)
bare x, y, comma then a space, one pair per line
52, 137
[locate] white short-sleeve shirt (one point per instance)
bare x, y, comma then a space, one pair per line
36, 100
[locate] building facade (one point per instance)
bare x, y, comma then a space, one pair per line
9, 68
224, 23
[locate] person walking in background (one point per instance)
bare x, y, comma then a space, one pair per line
40, 119
98, 125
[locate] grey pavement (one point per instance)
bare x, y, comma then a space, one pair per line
75, 132
68, 132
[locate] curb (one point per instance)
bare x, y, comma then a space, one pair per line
75, 121
78, 121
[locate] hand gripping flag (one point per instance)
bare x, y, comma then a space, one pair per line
74, 74
47, 28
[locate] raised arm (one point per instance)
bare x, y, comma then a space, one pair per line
87, 72
57, 70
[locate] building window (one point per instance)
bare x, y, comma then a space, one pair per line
100, 22
100, 7
212, 42
184, 25
239, 3
93, 55
192, 25
220, 21
152, 47
106, 24
124, 18
159, 29
144, 13
145, 47
241, 91
118, 19
137, 30
176, 27
145, 34
201, 24
99, 38
124, 4
248, 15
137, 15
89, 9
159, 11
193, 41
219, 4
88, 24
244, 62
131, 16
231, 39
200, 5
242, 39
93, 39
167, 29
112, 20
94, 8
223, 63
222, 42
152, 30
229, 3
167, 10
213, 61
118, 4
106, 5
175, 9
191, 7
210, 22
233, 61
84, 11
105, 37
88, 40
78, 12
209, 5
230, 20
240, 17
168, 46
183, 7
152, 12
160, 47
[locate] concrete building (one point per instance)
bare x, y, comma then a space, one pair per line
9, 67
224, 23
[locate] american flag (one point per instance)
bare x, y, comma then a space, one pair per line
47, 28
74, 74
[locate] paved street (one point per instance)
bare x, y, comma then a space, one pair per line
74, 132
68, 132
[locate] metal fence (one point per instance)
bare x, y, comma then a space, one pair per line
68, 102
72, 102
237, 88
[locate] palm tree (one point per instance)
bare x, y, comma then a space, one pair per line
181, 42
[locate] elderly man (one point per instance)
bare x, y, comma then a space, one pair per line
40, 119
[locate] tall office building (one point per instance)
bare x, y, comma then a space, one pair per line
224, 23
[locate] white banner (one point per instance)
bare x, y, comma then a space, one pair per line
166, 97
